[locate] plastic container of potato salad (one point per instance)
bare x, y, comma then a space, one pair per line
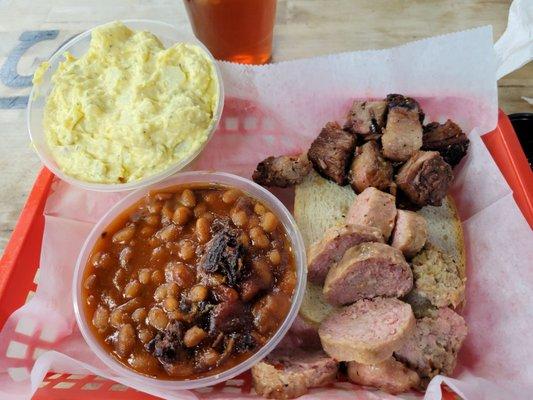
78, 46
186, 178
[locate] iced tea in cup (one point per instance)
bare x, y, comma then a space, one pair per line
234, 30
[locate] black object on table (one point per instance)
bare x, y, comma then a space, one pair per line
523, 126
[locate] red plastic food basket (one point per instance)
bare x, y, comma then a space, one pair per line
20, 260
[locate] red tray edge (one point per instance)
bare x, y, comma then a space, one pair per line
507, 152
32, 211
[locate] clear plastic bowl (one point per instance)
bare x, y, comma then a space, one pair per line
78, 46
219, 178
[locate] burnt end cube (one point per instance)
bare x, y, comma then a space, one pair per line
448, 139
331, 152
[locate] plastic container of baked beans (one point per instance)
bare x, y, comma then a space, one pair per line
78, 46
215, 178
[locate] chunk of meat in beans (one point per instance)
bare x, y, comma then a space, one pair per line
158, 306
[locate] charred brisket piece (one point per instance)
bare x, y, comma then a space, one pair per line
225, 255
402, 135
167, 346
230, 316
331, 152
425, 178
366, 118
282, 171
369, 168
399, 100
448, 139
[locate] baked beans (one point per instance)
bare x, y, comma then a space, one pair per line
189, 282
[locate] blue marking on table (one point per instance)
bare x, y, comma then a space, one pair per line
8, 72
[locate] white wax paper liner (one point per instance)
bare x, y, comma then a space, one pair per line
277, 109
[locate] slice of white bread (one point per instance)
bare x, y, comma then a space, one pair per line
320, 204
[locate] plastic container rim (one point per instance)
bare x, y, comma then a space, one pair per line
193, 177
48, 160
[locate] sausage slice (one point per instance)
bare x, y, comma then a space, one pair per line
390, 376
368, 331
366, 271
373, 208
323, 254
432, 348
410, 233
289, 373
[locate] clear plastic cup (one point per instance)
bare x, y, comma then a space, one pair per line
78, 46
216, 178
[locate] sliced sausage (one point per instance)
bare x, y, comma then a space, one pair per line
368, 331
390, 376
286, 374
323, 254
366, 271
425, 178
402, 135
366, 117
432, 348
373, 208
369, 168
437, 277
410, 233
331, 152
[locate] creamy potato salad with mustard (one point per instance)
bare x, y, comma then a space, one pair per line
129, 108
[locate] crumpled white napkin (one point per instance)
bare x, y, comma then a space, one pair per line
515, 47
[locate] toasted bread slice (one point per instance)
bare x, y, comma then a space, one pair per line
320, 204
